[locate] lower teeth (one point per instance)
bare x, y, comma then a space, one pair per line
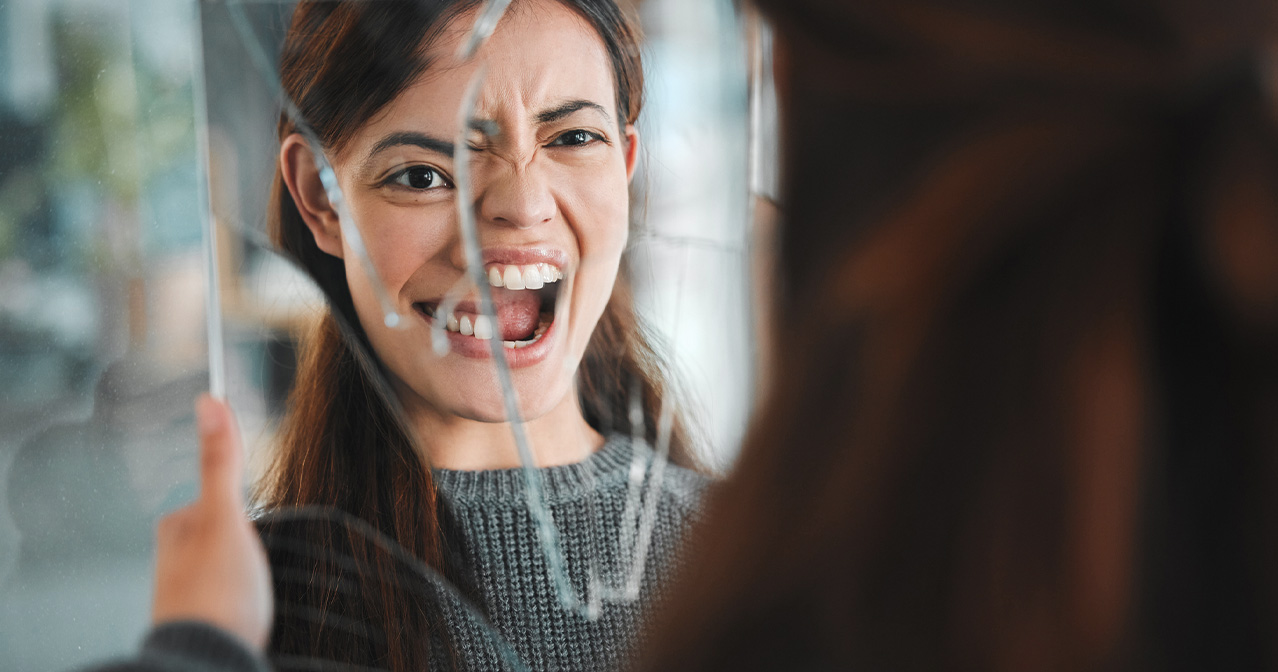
454, 326
541, 330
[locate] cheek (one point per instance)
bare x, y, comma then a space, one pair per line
601, 218
602, 232
400, 240
603, 235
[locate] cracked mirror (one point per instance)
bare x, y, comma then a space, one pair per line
483, 284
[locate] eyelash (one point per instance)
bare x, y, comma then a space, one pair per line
439, 181
591, 138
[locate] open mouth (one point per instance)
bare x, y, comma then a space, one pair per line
524, 298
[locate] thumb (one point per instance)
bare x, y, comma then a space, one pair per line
221, 457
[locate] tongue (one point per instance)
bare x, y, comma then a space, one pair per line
518, 313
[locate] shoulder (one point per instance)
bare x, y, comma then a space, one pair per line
684, 489
190, 645
679, 489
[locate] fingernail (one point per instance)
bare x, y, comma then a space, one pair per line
207, 417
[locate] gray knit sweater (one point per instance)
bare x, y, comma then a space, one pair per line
498, 543
328, 611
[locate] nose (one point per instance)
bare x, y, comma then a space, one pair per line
518, 196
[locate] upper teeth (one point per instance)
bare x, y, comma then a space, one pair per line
530, 276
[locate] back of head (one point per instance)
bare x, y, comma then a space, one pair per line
1026, 399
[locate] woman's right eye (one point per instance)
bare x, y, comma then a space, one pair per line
420, 178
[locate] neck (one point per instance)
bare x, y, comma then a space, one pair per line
559, 437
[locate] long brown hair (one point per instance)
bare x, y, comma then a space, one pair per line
342, 443
1025, 411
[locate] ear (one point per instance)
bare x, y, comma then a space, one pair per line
632, 151
297, 165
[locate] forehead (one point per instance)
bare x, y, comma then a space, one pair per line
541, 54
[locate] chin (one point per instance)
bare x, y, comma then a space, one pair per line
536, 400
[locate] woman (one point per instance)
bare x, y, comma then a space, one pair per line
380, 85
1031, 251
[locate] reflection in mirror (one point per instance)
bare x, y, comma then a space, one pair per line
502, 477
404, 525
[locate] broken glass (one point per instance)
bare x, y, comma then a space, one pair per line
688, 260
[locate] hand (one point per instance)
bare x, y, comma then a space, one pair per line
210, 564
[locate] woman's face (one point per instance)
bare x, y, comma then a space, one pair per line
551, 202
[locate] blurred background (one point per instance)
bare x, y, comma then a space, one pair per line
103, 343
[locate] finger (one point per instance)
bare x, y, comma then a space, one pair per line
169, 527
221, 457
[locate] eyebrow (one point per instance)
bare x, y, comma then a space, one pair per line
433, 144
559, 112
413, 139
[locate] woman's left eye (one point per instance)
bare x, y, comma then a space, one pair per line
420, 178
576, 138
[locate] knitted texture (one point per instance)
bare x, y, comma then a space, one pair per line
502, 599
498, 546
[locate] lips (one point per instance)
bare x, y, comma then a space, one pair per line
480, 327
524, 297
477, 344
519, 315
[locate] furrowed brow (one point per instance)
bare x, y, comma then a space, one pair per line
560, 111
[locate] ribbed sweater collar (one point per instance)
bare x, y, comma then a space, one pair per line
606, 467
